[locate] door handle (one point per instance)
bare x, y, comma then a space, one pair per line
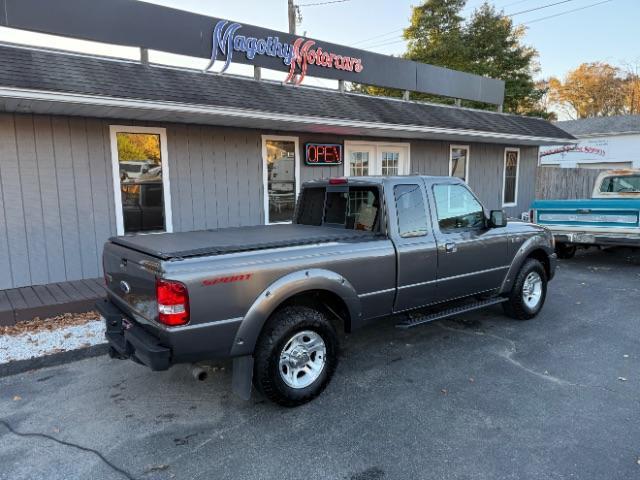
450, 247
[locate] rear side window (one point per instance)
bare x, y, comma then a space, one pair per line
620, 184
412, 212
457, 208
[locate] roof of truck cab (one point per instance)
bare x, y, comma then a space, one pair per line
381, 179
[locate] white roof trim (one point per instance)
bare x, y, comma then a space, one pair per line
241, 113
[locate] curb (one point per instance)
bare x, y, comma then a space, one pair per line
21, 366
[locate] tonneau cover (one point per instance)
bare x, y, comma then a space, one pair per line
168, 246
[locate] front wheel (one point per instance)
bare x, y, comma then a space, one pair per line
296, 355
529, 291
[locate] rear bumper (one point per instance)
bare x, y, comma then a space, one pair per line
580, 238
130, 340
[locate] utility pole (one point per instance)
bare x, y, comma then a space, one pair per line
292, 17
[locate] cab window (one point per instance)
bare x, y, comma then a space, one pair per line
412, 212
457, 208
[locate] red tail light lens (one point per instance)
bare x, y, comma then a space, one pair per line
338, 181
173, 302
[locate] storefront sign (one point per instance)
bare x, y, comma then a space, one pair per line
322, 154
297, 56
154, 27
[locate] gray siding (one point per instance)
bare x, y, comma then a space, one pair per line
56, 188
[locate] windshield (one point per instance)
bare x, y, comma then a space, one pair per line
621, 183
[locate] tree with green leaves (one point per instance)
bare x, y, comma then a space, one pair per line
488, 43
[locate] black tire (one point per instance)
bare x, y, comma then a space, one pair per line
516, 307
565, 250
279, 329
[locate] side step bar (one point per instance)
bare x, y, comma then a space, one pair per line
449, 312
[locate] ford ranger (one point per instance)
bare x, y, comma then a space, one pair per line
610, 217
275, 297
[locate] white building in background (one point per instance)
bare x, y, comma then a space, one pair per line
604, 142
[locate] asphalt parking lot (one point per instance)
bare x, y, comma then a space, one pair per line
477, 397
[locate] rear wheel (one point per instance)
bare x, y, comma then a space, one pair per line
529, 291
296, 355
565, 250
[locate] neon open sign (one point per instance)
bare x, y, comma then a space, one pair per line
319, 154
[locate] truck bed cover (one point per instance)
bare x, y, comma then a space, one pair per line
167, 246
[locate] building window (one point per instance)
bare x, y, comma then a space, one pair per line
359, 163
390, 163
459, 162
510, 181
280, 176
140, 179
370, 158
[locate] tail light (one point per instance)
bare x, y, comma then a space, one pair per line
338, 181
173, 302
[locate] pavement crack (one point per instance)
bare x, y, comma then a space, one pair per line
121, 471
512, 350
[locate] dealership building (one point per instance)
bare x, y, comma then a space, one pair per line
92, 147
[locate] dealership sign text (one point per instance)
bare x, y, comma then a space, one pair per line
297, 56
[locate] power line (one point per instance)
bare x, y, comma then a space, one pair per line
366, 40
566, 12
539, 8
315, 4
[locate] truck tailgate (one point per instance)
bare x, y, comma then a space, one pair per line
131, 280
619, 214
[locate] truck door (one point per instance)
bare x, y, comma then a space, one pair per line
472, 258
415, 245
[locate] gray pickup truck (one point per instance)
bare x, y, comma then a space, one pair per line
275, 297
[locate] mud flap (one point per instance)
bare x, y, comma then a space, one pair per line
242, 376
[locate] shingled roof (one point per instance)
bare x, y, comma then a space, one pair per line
34, 70
616, 125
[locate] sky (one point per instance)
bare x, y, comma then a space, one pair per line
606, 32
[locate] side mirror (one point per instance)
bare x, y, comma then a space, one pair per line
497, 219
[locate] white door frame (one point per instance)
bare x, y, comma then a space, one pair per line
375, 164
504, 176
467, 162
265, 171
115, 168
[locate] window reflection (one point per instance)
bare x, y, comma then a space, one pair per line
281, 176
140, 165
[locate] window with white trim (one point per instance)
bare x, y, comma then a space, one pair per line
281, 177
140, 179
376, 158
510, 181
459, 162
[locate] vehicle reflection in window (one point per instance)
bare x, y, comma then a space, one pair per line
141, 185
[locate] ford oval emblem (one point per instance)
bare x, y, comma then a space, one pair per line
125, 287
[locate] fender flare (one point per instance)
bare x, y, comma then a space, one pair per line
537, 242
283, 289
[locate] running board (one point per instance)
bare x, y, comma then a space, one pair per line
449, 312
